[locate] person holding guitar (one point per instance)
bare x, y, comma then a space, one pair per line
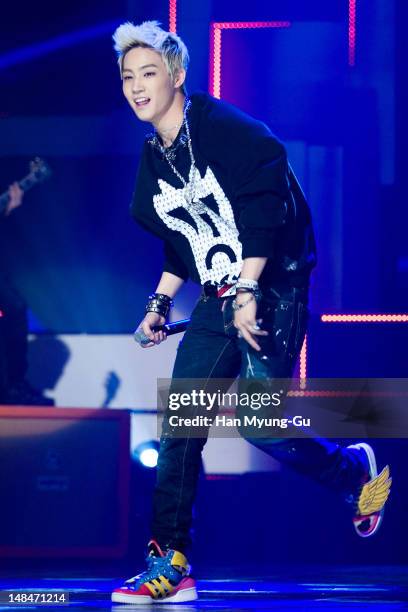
216, 186
14, 388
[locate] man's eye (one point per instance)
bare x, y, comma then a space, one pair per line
149, 74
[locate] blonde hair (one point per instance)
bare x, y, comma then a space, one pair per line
149, 34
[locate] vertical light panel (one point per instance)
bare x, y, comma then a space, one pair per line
215, 61
303, 365
352, 33
173, 16
216, 29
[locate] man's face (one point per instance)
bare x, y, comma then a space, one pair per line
147, 85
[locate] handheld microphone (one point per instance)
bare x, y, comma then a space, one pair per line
170, 329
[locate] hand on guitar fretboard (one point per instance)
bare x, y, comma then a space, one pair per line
15, 194
11, 199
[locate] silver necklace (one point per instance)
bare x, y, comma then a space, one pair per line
165, 130
192, 201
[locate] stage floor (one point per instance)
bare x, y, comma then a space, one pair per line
310, 588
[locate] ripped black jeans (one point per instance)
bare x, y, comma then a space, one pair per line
211, 349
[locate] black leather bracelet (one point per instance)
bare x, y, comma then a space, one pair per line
162, 297
159, 303
163, 312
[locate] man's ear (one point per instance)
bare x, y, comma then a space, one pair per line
180, 77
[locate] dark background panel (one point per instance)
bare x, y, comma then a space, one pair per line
76, 227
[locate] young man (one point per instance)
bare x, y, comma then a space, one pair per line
215, 185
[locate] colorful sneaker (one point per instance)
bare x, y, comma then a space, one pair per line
369, 506
165, 580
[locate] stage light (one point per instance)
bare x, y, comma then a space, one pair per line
303, 364
352, 33
40, 49
216, 45
148, 457
365, 318
147, 453
173, 16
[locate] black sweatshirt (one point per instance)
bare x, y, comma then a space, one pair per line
254, 205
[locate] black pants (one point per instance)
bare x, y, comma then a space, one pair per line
13, 336
211, 349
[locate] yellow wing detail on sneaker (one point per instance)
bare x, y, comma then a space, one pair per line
179, 560
375, 493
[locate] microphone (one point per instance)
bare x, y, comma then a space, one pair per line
170, 329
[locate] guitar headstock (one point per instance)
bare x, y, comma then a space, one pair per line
39, 169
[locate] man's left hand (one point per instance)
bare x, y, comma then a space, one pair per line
16, 198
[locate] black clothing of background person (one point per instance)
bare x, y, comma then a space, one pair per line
14, 389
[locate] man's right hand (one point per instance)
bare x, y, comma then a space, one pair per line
151, 319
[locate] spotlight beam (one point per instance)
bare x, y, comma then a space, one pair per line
34, 51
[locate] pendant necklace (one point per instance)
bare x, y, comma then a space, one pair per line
192, 201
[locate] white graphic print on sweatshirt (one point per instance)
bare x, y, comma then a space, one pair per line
217, 258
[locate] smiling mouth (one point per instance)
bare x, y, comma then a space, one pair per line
141, 102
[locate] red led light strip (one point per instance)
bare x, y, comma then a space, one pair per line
216, 45
345, 393
346, 318
352, 33
365, 318
243, 25
173, 16
303, 364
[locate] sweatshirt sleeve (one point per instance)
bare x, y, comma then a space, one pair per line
257, 169
173, 262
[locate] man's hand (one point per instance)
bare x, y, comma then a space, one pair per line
169, 285
245, 320
151, 319
16, 198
